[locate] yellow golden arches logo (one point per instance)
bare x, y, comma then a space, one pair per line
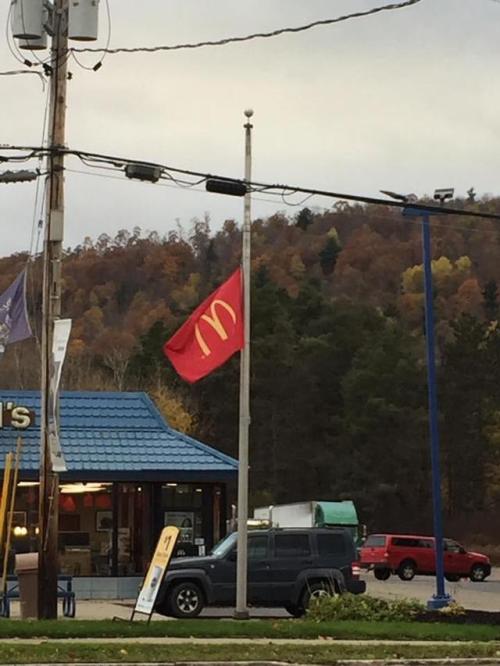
214, 321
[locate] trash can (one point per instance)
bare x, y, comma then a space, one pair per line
27, 576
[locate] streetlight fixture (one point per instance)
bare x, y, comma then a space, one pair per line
440, 599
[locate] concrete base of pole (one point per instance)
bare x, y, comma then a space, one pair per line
437, 602
241, 615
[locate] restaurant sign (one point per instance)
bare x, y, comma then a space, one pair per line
15, 416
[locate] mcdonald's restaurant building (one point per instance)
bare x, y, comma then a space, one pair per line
128, 475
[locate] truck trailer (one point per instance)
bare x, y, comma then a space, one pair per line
314, 513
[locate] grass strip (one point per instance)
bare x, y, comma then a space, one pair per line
52, 652
213, 628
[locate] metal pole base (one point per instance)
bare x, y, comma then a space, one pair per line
437, 602
241, 615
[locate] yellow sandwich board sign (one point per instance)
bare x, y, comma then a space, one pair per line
156, 573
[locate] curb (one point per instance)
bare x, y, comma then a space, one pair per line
459, 661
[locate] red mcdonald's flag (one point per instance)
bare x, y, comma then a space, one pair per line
211, 335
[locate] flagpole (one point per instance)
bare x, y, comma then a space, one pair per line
241, 612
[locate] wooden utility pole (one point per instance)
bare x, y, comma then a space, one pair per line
54, 228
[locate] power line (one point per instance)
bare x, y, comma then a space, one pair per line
119, 163
435, 223
192, 188
257, 35
37, 218
16, 72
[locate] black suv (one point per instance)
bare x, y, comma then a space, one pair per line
286, 567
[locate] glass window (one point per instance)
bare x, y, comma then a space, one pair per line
224, 546
257, 547
407, 542
426, 543
85, 529
331, 544
451, 546
375, 541
181, 504
292, 545
181, 495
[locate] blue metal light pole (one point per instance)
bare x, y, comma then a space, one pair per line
440, 599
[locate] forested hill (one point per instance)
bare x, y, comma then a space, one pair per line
338, 363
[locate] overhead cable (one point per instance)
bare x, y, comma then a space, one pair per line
117, 163
256, 35
16, 72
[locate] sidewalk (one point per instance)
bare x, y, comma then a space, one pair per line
107, 609
169, 640
93, 610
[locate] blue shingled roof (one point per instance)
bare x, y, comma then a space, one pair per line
117, 435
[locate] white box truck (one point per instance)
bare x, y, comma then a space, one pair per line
314, 513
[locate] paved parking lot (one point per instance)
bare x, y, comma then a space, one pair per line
474, 596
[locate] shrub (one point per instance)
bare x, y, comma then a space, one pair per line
453, 609
363, 607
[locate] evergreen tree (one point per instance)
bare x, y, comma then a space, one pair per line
304, 219
465, 391
386, 463
328, 255
490, 302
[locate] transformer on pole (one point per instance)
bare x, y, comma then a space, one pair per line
31, 22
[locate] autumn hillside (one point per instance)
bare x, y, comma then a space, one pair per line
338, 363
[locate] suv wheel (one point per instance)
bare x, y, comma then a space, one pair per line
407, 570
185, 600
316, 591
382, 574
477, 573
296, 611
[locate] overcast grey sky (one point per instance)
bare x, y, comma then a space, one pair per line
407, 100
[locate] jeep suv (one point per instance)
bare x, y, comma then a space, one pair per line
286, 567
408, 555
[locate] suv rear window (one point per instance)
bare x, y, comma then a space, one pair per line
292, 545
375, 541
331, 544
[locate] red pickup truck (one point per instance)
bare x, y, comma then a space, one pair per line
407, 555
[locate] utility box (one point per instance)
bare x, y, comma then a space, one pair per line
27, 576
83, 19
27, 18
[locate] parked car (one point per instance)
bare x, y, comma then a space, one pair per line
286, 567
407, 555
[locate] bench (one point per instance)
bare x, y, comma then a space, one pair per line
64, 592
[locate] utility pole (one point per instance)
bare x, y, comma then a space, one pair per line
241, 612
51, 310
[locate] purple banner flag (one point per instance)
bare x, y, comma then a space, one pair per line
14, 323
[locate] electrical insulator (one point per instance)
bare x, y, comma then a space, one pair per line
27, 19
83, 18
